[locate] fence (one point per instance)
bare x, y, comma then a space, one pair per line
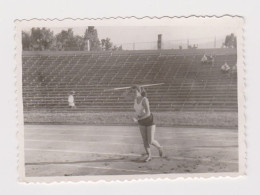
202, 43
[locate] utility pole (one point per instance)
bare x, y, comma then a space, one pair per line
88, 45
159, 42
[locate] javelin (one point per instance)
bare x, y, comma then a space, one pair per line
121, 88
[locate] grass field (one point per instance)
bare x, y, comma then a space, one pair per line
192, 119
77, 150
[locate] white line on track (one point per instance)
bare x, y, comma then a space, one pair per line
86, 142
105, 168
80, 152
117, 136
119, 128
137, 131
123, 129
108, 168
125, 154
190, 136
97, 142
69, 134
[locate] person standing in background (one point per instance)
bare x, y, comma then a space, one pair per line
71, 100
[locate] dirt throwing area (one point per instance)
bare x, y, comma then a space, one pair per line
78, 150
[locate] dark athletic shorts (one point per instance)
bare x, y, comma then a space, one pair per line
147, 121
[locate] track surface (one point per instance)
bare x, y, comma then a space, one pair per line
78, 150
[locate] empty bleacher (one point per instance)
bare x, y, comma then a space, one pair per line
189, 85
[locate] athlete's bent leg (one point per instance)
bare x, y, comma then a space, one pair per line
152, 141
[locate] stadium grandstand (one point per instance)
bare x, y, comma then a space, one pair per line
48, 77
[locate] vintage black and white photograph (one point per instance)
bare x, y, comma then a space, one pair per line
138, 98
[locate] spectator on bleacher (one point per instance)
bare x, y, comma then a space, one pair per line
145, 120
211, 59
225, 68
71, 100
204, 59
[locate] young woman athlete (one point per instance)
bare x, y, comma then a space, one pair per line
144, 117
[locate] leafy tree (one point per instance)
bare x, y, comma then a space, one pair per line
115, 48
79, 41
41, 38
106, 44
26, 41
91, 35
65, 40
230, 41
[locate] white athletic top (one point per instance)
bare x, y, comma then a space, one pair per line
139, 108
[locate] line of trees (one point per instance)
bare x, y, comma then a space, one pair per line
41, 39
